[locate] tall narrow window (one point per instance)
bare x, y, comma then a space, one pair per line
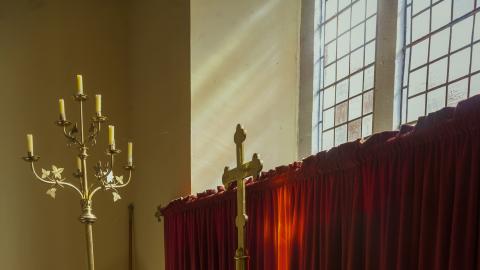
345, 32
442, 55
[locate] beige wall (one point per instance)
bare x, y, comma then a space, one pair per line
43, 43
160, 94
244, 70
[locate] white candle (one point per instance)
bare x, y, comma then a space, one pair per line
130, 151
79, 85
98, 104
79, 164
61, 104
111, 135
30, 143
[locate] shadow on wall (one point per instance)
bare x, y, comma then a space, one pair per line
244, 70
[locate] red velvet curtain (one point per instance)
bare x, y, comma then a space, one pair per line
400, 200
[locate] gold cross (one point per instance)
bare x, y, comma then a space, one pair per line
238, 174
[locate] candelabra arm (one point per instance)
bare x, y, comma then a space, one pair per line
107, 186
38, 176
126, 183
61, 182
70, 137
90, 196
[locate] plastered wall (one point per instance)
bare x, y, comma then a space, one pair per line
244, 70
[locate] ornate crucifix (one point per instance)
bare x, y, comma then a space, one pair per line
238, 174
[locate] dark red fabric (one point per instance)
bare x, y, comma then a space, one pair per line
400, 200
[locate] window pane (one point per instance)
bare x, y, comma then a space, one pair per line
329, 97
367, 126
343, 45
368, 102
327, 139
371, 28
436, 99
331, 30
441, 14
340, 135
329, 74
354, 108
343, 3
344, 21
357, 38
461, 33
342, 67
406, 67
419, 54
356, 83
354, 130
476, 35
342, 91
341, 113
356, 60
475, 85
331, 8
358, 12
371, 7
419, 5
328, 117
368, 78
476, 57
459, 64
461, 7
330, 52
370, 53
456, 92
418, 80
420, 25
416, 107
439, 44
437, 73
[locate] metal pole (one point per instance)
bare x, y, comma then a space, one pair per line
89, 234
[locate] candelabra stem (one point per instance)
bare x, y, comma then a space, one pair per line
89, 234
83, 156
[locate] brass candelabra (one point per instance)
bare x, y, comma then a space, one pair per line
104, 174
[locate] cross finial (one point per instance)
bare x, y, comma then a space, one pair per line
158, 213
240, 135
243, 170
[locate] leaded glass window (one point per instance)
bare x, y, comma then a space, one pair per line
345, 44
442, 55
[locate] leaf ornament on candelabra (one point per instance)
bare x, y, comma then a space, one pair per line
105, 177
54, 176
